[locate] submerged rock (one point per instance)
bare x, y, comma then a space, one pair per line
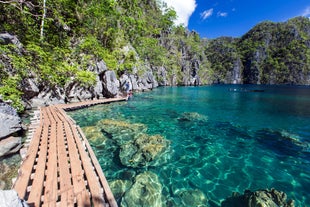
146, 191
145, 150
9, 170
94, 135
10, 145
192, 198
260, 198
119, 187
193, 116
121, 131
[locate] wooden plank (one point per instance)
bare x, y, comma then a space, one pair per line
27, 166
38, 180
92, 178
76, 170
66, 187
51, 188
108, 193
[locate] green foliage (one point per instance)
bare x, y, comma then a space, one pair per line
9, 91
85, 78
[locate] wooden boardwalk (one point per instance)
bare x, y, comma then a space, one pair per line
60, 168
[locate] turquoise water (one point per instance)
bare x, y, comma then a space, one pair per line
222, 139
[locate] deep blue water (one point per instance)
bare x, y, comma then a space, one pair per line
238, 139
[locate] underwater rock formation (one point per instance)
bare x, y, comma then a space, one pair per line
192, 198
94, 135
121, 131
192, 116
146, 191
260, 198
119, 187
144, 150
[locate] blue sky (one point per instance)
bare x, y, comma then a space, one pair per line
215, 18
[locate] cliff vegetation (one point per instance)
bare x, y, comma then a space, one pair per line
65, 51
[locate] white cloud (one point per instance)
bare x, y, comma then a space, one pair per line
183, 8
306, 12
222, 14
206, 14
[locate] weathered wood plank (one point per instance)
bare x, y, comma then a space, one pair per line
38, 180
66, 185
50, 194
60, 168
76, 169
92, 178
108, 193
27, 166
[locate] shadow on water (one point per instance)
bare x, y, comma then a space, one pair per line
281, 144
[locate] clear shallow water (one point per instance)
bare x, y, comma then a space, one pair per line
223, 139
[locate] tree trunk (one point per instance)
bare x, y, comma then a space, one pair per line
42, 22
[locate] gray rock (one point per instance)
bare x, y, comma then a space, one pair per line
110, 84
101, 67
124, 80
162, 76
147, 81
76, 93
49, 97
263, 198
98, 88
9, 198
146, 191
10, 122
6, 38
10, 145
30, 88
134, 83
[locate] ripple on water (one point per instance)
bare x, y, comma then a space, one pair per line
222, 144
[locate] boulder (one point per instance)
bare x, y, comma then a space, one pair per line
147, 81
6, 38
10, 145
191, 197
77, 93
49, 96
145, 150
98, 88
30, 88
101, 67
110, 84
10, 122
146, 191
121, 131
260, 198
134, 83
125, 83
94, 135
9, 198
192, 116
119, 187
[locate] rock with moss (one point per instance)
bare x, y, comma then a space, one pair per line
121, 131
191, 197
119, 187
260, 198
94, 135
146, 150
145, 191
193, 116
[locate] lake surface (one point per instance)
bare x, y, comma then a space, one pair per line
222, 139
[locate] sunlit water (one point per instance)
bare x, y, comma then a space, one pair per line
238, 139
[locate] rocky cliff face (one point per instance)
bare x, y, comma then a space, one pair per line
270, 53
